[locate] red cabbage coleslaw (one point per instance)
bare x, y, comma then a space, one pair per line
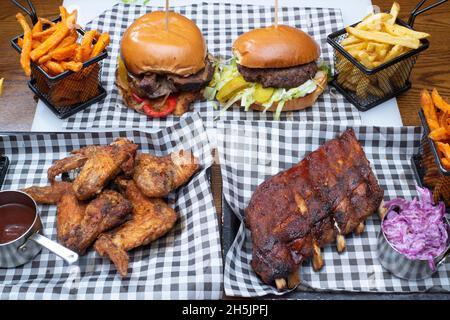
417, 228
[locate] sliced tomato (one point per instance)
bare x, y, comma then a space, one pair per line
169, 107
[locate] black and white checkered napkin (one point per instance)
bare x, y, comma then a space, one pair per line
220, 23
251, 152
184, 264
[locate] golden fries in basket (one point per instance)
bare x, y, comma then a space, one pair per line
376, 40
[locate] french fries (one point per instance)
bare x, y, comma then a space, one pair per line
439, 102
37, 27
376, 40
1, 86
61, 31
383, 37
429, 110
34, 43
86, 44
63, 53
54, 67
26, 46
380, 35
63, 13
72, 65
435, 110
54, 46
101, 44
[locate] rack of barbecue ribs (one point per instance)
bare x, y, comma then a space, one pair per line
324, 197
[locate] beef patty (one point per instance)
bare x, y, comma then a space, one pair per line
153, 85
279, 77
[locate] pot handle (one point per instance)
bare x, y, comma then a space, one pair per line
444, 257
56, 248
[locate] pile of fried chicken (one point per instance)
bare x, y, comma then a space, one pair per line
115, 201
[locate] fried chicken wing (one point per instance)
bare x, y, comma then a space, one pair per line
49, 194
158, 176
151, 219
98, 165
102, 166
110, 209
65, 165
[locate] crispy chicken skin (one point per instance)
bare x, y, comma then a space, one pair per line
151, 219
110, 209
101, 167
70, 210
65, 165
70, 213
294, 213
49, 194
158, 176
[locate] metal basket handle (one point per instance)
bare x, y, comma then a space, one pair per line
31, 12
417, 12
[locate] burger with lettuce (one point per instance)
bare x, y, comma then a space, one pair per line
273, 69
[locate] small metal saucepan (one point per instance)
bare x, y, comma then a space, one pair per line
26, 246
402, 267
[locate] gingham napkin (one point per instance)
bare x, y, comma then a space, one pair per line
184, 264
220, 23
251, 152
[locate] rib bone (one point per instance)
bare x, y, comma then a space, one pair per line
360, 228
317, 257
340, 243
301, 203
280, 283
382, 210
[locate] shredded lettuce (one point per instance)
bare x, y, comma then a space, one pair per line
247, 97
325, 67
209, 93
228, 105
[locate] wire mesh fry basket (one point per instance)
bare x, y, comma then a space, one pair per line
366, 88
68, 92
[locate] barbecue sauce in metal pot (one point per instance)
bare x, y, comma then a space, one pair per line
15, 220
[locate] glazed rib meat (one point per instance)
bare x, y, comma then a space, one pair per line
151, 219
158, 176
327, 195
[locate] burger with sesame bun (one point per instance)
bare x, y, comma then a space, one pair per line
272, 69
161, 70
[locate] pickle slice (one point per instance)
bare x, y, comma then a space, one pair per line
262, 94
123, 73
231, 87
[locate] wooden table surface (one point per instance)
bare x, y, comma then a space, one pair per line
17, 105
